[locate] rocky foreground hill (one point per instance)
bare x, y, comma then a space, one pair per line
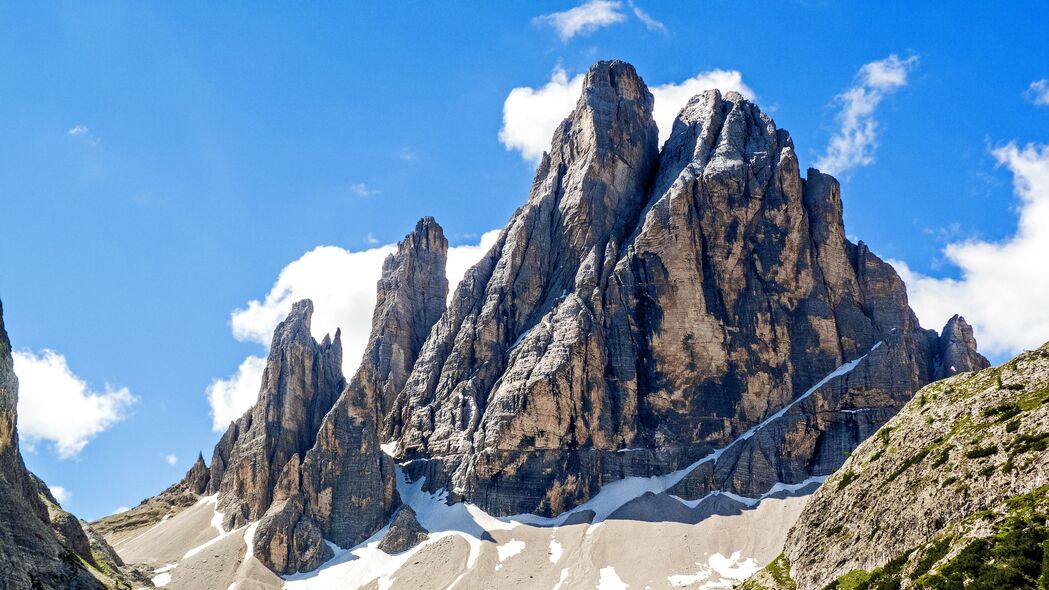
953, 492
41, 545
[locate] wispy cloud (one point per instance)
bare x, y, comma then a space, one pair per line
530, 115
407, 154
1003, 284
854, 143
57, 406
171, 459
583, 19
1038, 92
371, 239
83, 133
646, 19
362, 190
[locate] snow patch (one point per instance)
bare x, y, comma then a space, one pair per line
389, 448
555, 551
216, 522
161, 580
720, 572
610, 580
510, 549
564, 577
751, 502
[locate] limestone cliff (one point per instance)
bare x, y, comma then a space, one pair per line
647, 307
344, 489
300, 384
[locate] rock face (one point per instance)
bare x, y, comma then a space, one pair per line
344, 489
405, 532
663, 303
301, 382
941, 493
41, 545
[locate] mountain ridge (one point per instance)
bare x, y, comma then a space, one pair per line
693, 317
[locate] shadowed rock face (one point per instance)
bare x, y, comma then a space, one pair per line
405, 532
666, 303
344, 489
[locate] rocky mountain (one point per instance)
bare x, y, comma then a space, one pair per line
646, 307
660, 333
41, 545
952, 492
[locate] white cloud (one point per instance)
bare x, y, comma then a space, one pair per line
646, 19
854, 143
342, 286
79, 130
231, 397
362, 190
461, 258
121, 509
171, 459
1003, 284
583, 19
1038, 92
371, 239
530, 115
60, 493
407, 154
671, 98
57, 406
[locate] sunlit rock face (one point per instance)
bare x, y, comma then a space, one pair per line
662, 302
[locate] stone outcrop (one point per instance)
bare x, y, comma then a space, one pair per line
197, 478
344, 489
961, 468
41, 545
300, 384
662, 302
405, 532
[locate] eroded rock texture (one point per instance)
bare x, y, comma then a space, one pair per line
663, 303
301, 382
344, 489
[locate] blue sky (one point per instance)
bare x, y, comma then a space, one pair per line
163, 163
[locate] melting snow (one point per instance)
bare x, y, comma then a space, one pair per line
751, 502
161, 580
610, 580
720, 572
510, 549
564, 576
555, 551
216, 522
